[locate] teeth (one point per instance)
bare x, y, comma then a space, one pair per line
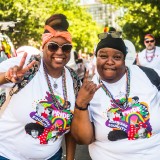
109, 69
58, 59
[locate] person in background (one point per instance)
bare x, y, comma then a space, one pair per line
150, 56
45, 105
117, 112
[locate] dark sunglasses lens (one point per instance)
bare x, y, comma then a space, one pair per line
66, 48
52, 47
150, 41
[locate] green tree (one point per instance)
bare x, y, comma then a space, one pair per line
32, 14
140, 17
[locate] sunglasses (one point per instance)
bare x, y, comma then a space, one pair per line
149, 41
53, 47
113, 34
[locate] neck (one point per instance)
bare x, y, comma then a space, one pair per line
151, 50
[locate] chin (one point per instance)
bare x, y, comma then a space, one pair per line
109, 79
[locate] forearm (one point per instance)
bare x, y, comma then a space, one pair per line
70, 146
3, 79
82, 128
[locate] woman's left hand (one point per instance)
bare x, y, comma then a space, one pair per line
86, 91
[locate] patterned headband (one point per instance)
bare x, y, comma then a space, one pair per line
53, 33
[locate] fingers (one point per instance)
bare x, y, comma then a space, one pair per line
22, 62
86, 75
28, 67
91, 87
12, 76
16, 73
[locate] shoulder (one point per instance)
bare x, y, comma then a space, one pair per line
142, 52
72, 73
157, 48
5, 65
137, 71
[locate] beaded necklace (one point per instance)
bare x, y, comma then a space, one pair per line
55, 101
108, 93
153, 55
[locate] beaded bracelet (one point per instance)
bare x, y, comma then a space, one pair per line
81, 108
6, 78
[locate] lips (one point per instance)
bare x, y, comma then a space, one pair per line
110, 69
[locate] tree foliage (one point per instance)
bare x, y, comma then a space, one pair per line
32, 14
140, 17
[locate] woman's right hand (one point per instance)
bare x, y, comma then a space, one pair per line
86, 91
15, 74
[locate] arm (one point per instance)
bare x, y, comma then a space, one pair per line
70, 146
3, 78
137, 60
81, 128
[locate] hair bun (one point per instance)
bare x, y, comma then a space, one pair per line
58, 22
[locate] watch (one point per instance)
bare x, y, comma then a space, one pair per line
81, 108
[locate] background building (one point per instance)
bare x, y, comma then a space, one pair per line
103, 14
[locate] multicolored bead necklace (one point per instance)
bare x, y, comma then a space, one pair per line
152, 57
55, 101
108, 93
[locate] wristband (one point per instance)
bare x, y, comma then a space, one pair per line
81, 108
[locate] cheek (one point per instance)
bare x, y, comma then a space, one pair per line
46, 53
68, 57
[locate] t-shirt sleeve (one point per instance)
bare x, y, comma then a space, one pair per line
90, 114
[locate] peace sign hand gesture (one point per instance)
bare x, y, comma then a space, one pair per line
15, 74
86, 91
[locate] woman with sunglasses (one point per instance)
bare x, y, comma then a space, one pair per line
150, 56
117, 113
47, 101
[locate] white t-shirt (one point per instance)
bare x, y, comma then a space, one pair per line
31, 126
154, 63
143, 112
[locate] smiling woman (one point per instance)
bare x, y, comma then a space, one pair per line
117, 111
43, 110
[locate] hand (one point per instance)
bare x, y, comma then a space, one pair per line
15, 74
86, 91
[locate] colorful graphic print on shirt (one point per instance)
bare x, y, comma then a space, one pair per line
50, 122
134, 120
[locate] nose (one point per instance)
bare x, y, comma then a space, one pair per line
110, 61
59, 50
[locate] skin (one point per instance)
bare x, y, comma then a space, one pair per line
150, 45
110, 64
55, 62
16, 73
111, 68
